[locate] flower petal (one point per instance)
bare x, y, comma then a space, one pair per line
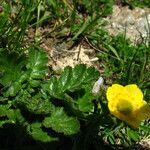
135, 93
113, 91
127, 104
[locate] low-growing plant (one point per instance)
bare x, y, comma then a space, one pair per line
15, 20
38, 107
125, 60
39, 103
48, 107
76, 18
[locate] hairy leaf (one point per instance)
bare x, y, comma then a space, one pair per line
62, 123
35, 104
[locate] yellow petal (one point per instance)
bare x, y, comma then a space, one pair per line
143, 111
127, 104
138, 116
113, 91
135, 93
133, 119
133, 122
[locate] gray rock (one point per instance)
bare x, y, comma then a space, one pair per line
133, 22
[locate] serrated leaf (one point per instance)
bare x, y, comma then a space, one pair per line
4, 109
13, 89
3, 122
17, 116
70, 80
52, 87
77, 75
11, 65
90, 74
38, 134
10, 115
85, 103
37, 63
62, 123
64, 80
35, 104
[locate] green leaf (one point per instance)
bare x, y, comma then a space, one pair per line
82, 28
51, 87
18, 117
111, 138
11, 65
62, 123
38, 134
78, 73
13, 89
114, 51
11, 115
85, 103
37, 63
4, 110
133, 134
70, 80
3, 122
65, 79
16, 86
13, 71
35, 104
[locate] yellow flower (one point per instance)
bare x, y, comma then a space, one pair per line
127, 104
